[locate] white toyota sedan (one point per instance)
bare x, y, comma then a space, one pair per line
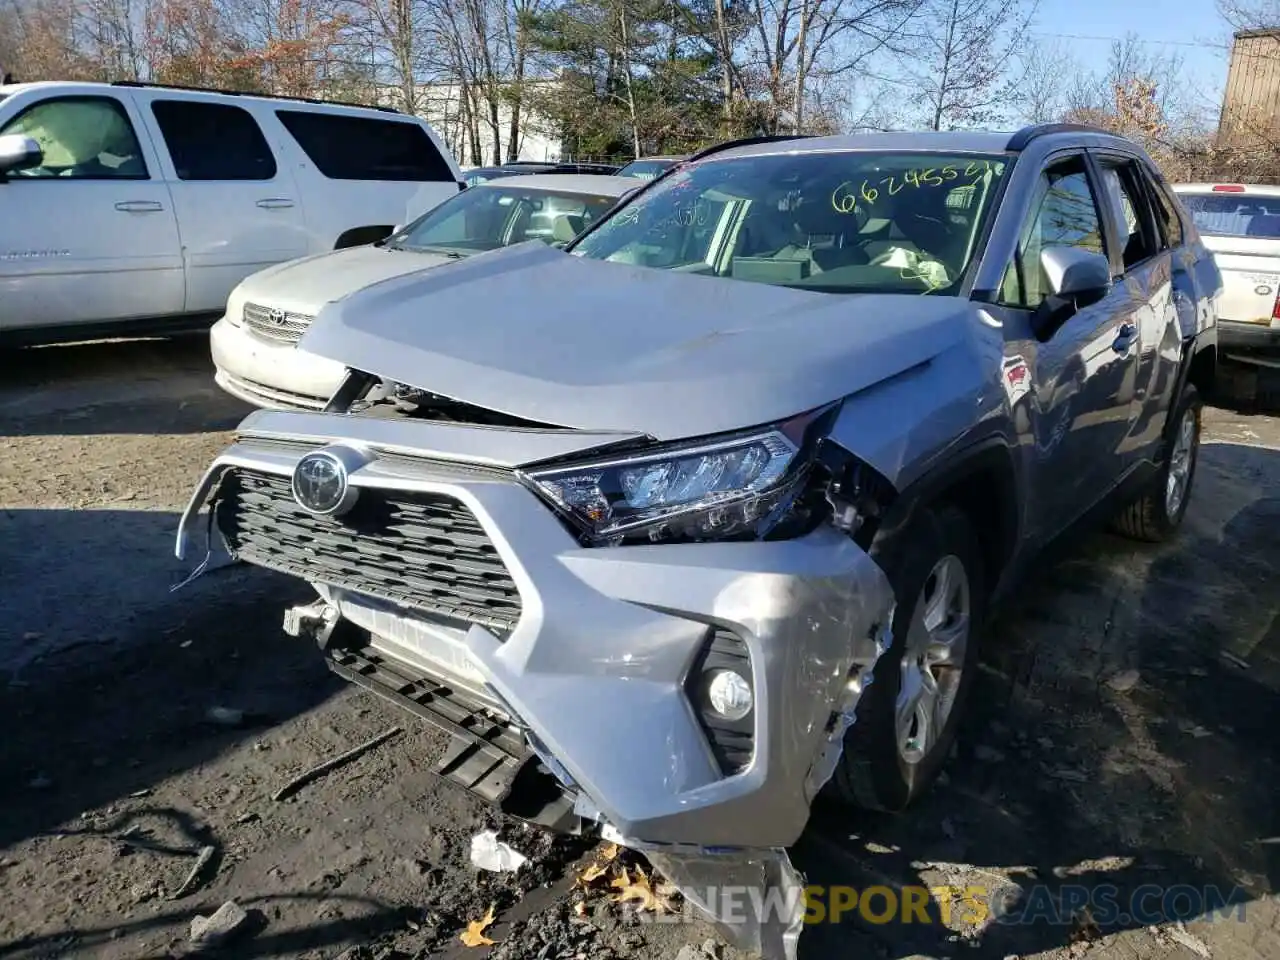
255, 345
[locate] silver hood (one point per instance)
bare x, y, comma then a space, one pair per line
536, 333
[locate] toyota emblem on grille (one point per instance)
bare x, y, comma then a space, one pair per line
276, 316
320, 485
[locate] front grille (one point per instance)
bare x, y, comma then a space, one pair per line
274, 325
421, 550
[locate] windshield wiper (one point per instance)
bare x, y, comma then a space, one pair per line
451, 254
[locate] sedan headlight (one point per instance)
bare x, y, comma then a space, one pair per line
730, 487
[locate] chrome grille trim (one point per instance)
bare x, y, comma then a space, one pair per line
275, 325
422, 550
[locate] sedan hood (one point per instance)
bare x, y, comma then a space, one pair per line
306, 285
539, 334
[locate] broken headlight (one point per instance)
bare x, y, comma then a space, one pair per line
732, 487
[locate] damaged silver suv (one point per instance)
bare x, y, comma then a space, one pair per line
743, 469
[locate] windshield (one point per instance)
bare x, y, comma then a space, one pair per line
1233, 215
645, 169
835, 222
487, 217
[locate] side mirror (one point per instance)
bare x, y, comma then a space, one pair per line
1077, 279
19, 153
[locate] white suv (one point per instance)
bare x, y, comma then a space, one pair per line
148, 204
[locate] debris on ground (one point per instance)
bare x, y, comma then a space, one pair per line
639, 889
490, 853
146, 890
196, 874
320, 769
1124, 681
474, 935
225, 922
1179, 933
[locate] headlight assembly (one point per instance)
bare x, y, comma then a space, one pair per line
727, 488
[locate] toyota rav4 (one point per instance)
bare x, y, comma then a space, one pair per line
744, 468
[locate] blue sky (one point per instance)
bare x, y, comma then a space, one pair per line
1191, 28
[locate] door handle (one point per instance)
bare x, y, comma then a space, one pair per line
1126, 333
275, 203
139, 206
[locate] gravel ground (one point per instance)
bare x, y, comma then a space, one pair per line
1124, 732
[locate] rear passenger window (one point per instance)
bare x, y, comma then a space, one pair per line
1168, 215
362, 148
1138, 237
213, 141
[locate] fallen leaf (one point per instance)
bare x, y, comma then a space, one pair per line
474, 936
609, 852
593, 873
640, 890
580, 908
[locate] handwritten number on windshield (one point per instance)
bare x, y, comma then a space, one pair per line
847, 196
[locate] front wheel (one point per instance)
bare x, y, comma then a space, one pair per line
909, 715
1157, 513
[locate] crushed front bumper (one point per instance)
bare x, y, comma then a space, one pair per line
590, 652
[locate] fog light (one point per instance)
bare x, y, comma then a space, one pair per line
729, 694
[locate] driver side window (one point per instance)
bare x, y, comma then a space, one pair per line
86, 138
1064, 214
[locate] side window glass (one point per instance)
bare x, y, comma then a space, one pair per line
213, 141
1065, 214
1167, 213
361, 148
85, 138
1138, 238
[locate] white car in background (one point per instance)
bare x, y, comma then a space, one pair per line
128, 209
1240, 224
255, 345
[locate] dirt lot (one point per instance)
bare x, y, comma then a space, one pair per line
1125, 732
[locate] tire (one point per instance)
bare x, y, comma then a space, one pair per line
883, 767
1157, 513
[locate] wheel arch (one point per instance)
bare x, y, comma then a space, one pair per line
981, 481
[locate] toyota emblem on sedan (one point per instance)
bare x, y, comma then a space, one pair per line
276, 316
320, 485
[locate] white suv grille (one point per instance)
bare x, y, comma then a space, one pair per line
275, 325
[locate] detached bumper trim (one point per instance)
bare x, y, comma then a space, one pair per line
487, 754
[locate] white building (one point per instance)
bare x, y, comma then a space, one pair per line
440, 104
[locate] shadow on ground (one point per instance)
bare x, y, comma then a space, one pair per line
1073, 789
116, 386
361, 917
109, 693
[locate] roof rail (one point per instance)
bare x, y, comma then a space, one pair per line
139, 84
745, 142
1022, 139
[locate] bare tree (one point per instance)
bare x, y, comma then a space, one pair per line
1039, 92
966, 49
796, 41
